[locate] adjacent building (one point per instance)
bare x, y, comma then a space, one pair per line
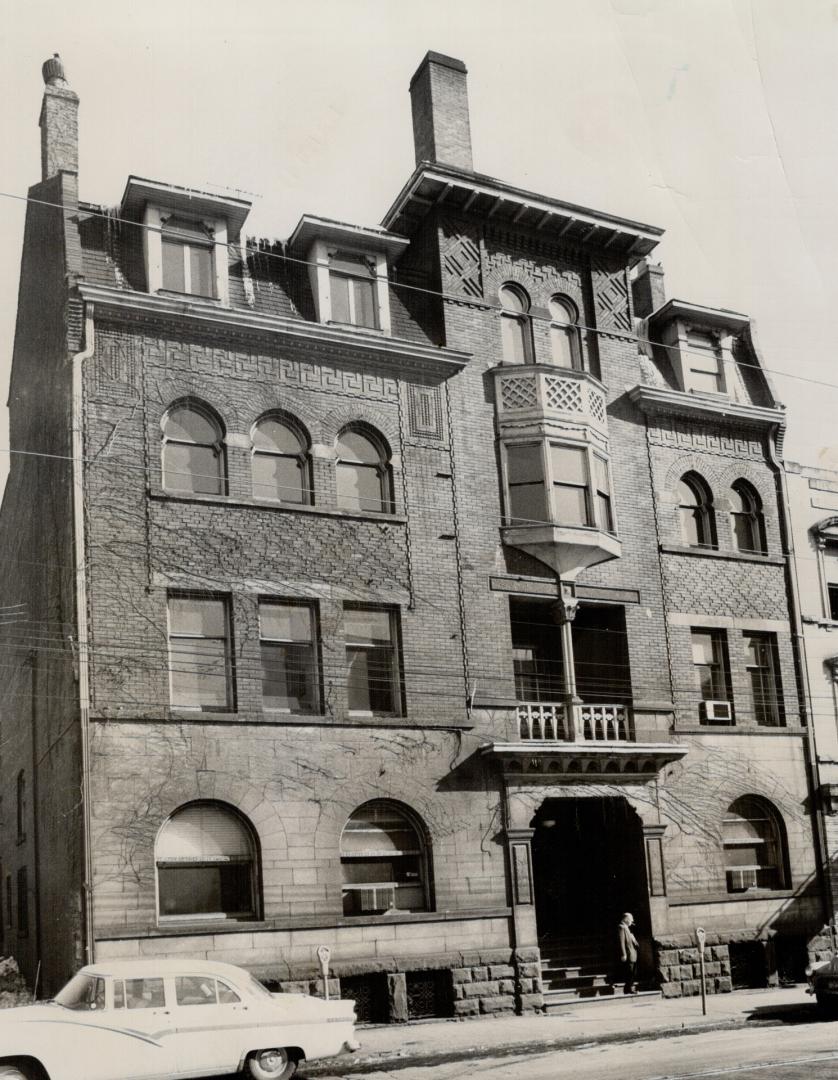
419, 589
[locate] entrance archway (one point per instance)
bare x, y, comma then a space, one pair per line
589, 867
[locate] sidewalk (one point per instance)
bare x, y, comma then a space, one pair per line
618, 1020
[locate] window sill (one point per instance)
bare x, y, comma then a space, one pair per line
355, 328
715, 553
732, 729
266, 504
197, 928
173, 294
728, 898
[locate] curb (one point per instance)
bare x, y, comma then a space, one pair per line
346, 1066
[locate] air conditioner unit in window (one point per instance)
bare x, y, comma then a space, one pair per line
717, 712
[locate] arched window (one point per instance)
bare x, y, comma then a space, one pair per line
206, 864
281, 469
564, 333
363, 472
695, 508
754, 844
384, 861
516, 332
193, 450
748, 522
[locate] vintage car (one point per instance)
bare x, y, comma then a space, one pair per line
157, 1020
823, 983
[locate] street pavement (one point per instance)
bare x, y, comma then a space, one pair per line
596, 1022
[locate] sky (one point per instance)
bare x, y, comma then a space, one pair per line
713, 119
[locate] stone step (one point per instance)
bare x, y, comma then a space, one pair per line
563, 999
576, 982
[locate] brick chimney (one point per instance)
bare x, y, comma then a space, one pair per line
439, 99
59, 122
647, 289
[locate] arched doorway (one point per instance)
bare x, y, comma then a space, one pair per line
589, 867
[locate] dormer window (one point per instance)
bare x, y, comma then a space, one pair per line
352, 290
187, 257
348, 267
703, 363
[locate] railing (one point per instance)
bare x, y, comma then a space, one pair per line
575, 394
588, 723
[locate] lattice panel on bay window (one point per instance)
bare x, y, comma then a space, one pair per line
562, 394
596, 404
518, 393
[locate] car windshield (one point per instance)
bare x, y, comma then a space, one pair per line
82, 992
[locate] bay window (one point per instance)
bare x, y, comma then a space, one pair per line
559, 484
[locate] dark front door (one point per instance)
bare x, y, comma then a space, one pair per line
588, 868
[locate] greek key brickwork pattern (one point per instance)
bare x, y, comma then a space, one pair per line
686, 436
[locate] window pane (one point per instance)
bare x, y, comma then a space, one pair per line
272, 435
226, 995
351, 265
601, 474
513, 299
514, 337
366, 309
568, 464
194, 469
339, 290
692, 531
185, 231
200, 271
707, 381
173, 266
527, 503
280, 478
216, 889
194, 990
288, 678
199, 673
287, 622
368, 626
563, 341
202, 616
359, 488
606, 519
144, 994
560, 312
571, 505
523, 463
703, 646
190, 425
370, 680
833, 602
203, 832
743, 532
353, 446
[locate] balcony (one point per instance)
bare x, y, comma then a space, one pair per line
545, 393
591, 741
555, 721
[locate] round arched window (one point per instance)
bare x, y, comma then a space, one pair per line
516, 331
564, 333
280, 462
193, 450
746, 514
754, 846
363, 473
384, 861
206, 864
695, 509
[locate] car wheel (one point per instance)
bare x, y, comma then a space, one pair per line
271, 1065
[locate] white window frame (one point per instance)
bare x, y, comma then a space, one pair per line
319, 258
154, 219
550, 483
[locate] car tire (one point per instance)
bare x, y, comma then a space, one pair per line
827, 1005
275, 1064
9, 1072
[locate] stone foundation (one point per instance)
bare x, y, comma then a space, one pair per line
679, 970
490, 982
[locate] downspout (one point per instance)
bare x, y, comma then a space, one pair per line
81, 622
801, 668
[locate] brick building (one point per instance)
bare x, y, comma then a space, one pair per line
418, 590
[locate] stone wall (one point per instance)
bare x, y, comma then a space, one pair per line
679, 970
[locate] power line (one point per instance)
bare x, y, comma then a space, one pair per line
89, 210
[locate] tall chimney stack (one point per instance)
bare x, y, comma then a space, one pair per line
439, 99
59, 122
